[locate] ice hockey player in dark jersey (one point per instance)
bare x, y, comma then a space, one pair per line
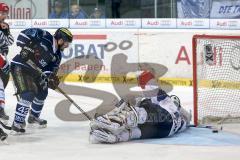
152, 116
6, 39
39, 51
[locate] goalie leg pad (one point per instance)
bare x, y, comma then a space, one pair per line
185, 119
120, 121
135, 133
129, 134
103, 136
103, 122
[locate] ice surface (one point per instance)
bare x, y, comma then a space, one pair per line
64, 140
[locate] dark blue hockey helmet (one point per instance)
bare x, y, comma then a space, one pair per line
63, 33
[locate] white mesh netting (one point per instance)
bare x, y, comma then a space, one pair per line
218, 79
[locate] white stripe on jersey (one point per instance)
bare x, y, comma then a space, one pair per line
19, 63
6, 40
24, 35
47, 72
11, 39
20, 42
1, 35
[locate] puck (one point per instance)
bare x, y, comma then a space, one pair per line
215, 131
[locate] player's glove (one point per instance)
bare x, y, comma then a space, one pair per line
26, 52
4, 27
42, 80
53, 81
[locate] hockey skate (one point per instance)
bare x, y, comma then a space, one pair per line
18, 128
36, 122
3, 117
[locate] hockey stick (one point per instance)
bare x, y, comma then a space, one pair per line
15, 89
74, 103
34, 66
5, 126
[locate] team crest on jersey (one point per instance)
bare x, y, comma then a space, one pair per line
43, 63
38, 58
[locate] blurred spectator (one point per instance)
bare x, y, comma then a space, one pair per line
116, 8
77, 12
58, 11
97, 14
194, 8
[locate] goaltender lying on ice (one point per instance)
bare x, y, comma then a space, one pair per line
155, 115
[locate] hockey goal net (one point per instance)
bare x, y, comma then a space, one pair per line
216, 79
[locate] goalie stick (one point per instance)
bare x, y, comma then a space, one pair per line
34, 66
